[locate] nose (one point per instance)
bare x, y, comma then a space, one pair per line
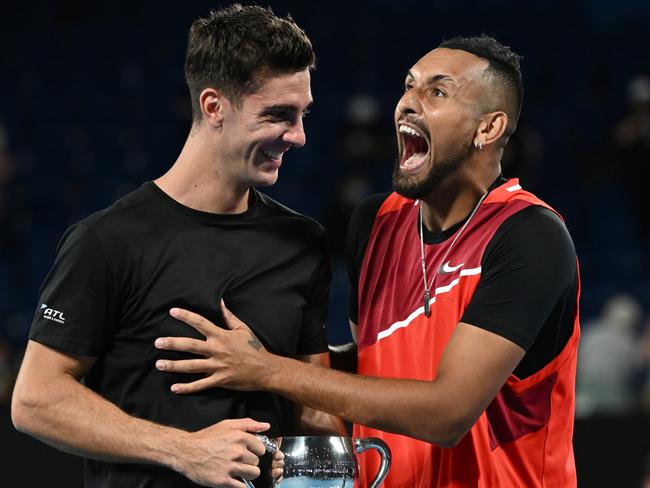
295, 134
407, 104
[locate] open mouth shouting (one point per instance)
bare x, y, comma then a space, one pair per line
415, 149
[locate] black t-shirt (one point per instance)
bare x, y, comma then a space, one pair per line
118, 272
528, 286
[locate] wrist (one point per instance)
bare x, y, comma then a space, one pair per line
171, 449
272, 372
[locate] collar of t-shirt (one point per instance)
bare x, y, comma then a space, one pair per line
207, 217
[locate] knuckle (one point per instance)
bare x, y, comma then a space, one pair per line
241, 437
237, 441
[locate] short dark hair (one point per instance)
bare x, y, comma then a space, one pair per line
233, 46
504, 65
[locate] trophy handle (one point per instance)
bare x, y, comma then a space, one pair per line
364, 443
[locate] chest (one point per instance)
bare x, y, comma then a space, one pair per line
392, 285
263, 280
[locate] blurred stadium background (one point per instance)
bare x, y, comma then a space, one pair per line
93, 103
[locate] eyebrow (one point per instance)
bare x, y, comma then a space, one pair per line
434, 78
284, 108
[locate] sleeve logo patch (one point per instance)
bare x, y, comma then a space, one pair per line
53, 315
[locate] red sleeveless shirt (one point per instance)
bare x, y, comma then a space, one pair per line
524, 438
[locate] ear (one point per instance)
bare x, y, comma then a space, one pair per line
490, 129
213, 103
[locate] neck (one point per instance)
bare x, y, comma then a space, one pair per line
198, 180
454, 199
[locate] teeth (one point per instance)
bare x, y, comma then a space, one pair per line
271, 155
405, 129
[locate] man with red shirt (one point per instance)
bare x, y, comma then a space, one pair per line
465, 300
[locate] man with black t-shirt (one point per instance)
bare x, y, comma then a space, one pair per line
198, 234
465, 294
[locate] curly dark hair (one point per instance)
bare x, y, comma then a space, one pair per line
504, 67
232, 47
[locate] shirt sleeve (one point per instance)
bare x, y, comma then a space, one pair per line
77, 306
313, 336
359, 228
529, 268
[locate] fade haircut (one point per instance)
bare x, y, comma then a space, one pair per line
503, 73
234, 47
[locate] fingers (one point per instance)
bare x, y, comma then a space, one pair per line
277, 474
255, 446
247, 424
277, 466
231, 320
278, 459
183, 366
249, 457
194, 386
249, 427
184, 344
247, 471
200, 323
233, 323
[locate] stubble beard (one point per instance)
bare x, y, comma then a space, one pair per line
419, 186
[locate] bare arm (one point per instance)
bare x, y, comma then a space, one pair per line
51, 404
315, 421
473, 368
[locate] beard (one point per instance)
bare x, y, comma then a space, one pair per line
416, 187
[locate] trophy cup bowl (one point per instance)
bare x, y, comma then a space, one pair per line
325, 461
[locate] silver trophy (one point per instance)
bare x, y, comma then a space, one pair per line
325, 462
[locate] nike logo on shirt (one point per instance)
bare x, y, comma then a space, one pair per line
446, 268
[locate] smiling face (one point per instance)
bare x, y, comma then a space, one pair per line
436, 119
266, 124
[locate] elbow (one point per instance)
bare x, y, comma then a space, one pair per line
457, 428
23, 410
18, 416
451, 439
453, 431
